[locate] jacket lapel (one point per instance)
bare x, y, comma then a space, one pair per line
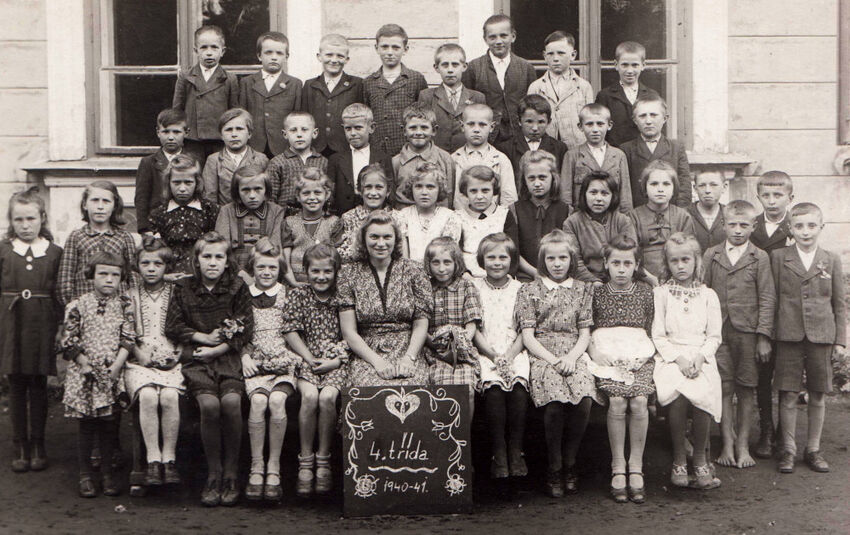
820, 258
442, 100
608, 163
722, 258
280, 85
216, 80
160, 161
258, 85
746, 259
793, 262
343, 85
663, 148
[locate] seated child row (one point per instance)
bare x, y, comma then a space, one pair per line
216, 317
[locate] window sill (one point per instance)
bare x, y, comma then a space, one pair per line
735, 165
121, 170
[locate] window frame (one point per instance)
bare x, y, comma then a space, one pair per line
102, 106
590, 65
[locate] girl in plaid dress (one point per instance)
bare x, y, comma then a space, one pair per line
457, 317
554, 313
311, 324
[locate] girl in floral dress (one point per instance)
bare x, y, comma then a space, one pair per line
311, 324
385, 306
269, 369
554, 313
98, 336
621, 353
185, 215
373, 186
153, 376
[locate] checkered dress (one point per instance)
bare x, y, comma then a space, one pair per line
80, 247
283, 170
388, 102
456, 304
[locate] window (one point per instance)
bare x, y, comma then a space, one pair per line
139, 48
599, 26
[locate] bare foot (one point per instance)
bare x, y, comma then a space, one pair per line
726, 458
745, 460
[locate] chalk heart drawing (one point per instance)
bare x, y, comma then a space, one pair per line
402, 406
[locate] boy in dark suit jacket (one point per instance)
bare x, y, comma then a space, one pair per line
739, 272
650, 114
343, 170
621, 96
502, 76
270, 95
206, 91
171, 131
450, 99
809, 330
328, 94
534, 114
772, 231
707, 213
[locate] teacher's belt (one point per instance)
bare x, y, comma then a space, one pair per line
26, 295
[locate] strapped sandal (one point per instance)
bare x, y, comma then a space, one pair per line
637, 494
324, 475
272, 491
620, 495
306, 478
254, 491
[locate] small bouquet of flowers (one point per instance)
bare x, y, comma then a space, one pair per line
453, 346
505, 369
281, 364
163, 358
335, 350
231, 327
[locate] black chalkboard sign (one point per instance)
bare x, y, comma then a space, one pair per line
406, 450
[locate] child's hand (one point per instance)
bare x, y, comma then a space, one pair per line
566, 365
249, 367
174, 277
686, 367
326, 366
143, 355
115, 370
205, 354
836, 351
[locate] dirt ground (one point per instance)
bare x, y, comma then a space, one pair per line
757, 500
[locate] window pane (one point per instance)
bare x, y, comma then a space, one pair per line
535, 19
644, 21
138, 100
135, 23
242, 22
656, 78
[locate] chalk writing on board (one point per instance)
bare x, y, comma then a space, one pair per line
401, 404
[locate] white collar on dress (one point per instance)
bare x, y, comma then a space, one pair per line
271, 292
39, 247
551, 285
194, 203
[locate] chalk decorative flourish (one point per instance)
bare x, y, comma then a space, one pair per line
366, 486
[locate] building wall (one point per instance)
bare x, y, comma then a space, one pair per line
23, 92
783, 100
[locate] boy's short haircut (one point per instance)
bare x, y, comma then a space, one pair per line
593, 108
610, 182
477, 107
556, 237
559, 35
333, 39
537, 103
482, 173
448, 48
491, 241
272, 36
419, 110
209, 28
265, 247
312, 174
373, 169
391, 30
424, 171
234, 113
496, 19
540, 156
682, 238
154, 244
708, 170
244, 173
775, 178
739, 207
648, 99
356, 111
294, 114
106, 258
170, 116
630, 47
806, 208
182, 163
444, 243
660, 165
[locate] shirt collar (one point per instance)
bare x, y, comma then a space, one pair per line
205, 70
92, 232
804, 255
271, 75
194, 203
236, 156
407, 154
292, 154
496, 61
551, 285
361, 150
39, 247
483, 150
169, 156
271, 292
242, 210
741, 248
452, 286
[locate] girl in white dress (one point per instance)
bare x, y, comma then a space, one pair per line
504, 362
423, 221
686, 332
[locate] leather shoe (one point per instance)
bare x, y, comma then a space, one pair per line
153, 477
229, 492
764, 448
39, 457
816, 461
554, 484
211, 495
87, 489
21, 462
170, 474
786, 463
110, 487
570, 480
